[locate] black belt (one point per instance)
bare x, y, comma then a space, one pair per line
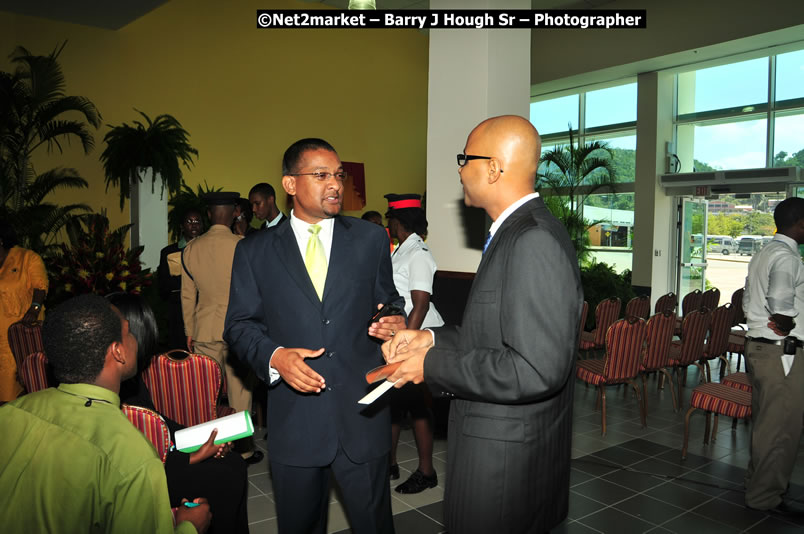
777, 342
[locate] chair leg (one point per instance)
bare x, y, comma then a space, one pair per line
640, 402
687, 432
665, 373
708, 373
734, 424
724, 366
661, 382
707, 428
603, 399
597, 397
714, 429
680, 384
644, 401
739, 355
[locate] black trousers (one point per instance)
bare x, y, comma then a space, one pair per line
302, 495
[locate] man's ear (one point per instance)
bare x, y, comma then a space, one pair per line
494, 170
117, 353
289, 184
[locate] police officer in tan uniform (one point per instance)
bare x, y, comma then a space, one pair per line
206, 274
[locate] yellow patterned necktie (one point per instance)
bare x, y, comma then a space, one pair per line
316, 261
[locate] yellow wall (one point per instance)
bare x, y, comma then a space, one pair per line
244, 94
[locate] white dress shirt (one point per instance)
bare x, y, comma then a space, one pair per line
414, 268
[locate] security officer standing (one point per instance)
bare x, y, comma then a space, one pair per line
774, 297
205, 278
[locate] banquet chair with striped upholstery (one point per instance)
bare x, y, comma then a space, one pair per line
656, 353
666, 302
185, 387
638, 307
24, 339
691, 302
34, 372
690, 349
710, 299
606, 313
584, 313
152, 425
718, 399
737, 336
624, 340
718, 342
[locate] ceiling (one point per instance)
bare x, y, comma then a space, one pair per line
114, 14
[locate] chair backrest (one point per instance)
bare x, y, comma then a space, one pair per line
666, 302
691, 302
658, 335
152, 425
737, 312
693, 335
638, 307
606, 313
185, 390
584, 313
719, 330
710, 299
624, 341
33, 372
24, 340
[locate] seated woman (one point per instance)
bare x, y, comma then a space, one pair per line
222, 478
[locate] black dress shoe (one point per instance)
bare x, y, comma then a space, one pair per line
417, 483
394, 472
784, 510
254, 458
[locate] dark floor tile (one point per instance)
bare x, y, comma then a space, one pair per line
658, 467
434, 511
593, 466
693, 523
730, 514
659, 530
676, 495
796, 492
413, 521
724, 471
773, 525
578, 477
733, 496
580, 505
707, 483
645, 446
572, 527
611, 520
649, 509
603, 491
619, 455
634, 480
692, 461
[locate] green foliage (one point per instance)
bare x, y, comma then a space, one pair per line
783, 159
724, 224
182, 202
160, 145
600, 281
574, 172
757, 223
33, 111
96, 260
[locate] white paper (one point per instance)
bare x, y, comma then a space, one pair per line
377, 393
235, 426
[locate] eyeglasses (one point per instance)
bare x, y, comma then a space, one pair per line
463, 159
322, 176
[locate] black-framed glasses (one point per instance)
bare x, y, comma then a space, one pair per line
463, 159
322, 176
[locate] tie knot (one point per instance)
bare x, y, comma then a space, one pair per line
314, 229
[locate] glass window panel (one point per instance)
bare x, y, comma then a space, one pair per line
788, 140
553, 116
623, 149
612, 234
613, 105
733, 145
727, 86
790, 75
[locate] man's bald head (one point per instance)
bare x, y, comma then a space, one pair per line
514, 146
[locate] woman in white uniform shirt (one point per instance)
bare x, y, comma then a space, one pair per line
414, 268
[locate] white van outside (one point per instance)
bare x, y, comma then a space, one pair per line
721, 244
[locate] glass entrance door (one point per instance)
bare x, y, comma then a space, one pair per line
691, 247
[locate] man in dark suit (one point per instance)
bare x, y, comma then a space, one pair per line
300, 298
510, 365
263, 204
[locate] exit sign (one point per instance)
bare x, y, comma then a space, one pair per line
701, 190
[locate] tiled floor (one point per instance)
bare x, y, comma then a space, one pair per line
631, 480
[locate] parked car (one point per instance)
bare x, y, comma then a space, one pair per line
749, 245
722, 244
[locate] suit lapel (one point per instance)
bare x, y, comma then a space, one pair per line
287, 251
526, 208
342, 249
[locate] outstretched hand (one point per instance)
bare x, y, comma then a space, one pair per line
289, 363
410, 347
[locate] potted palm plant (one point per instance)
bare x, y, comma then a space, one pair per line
160, 145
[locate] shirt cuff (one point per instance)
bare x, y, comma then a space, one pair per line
432, 334
273, 374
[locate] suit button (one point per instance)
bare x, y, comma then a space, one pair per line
330, 354
325, 321
329, 388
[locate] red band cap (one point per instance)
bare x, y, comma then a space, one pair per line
407, 203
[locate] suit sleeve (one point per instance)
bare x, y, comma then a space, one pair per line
244, 329
538, 318
189, 295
